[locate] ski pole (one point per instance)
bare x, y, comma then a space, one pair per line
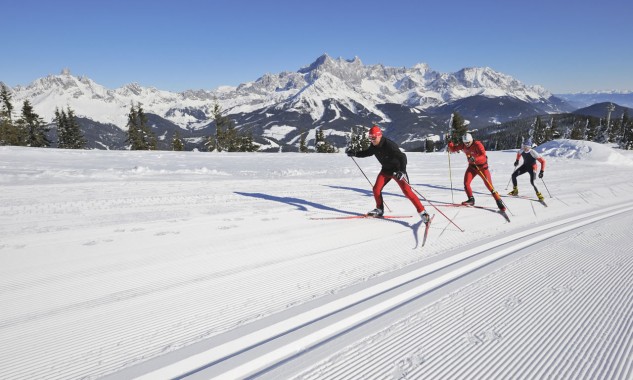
438, 210
370, 184
492, 187
448, 153
550, 194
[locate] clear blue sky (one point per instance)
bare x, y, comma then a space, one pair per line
565, 46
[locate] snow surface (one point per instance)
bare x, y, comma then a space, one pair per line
165, 264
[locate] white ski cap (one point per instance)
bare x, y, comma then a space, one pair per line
467, 138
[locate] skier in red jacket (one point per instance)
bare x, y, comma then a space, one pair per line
394, 166
530, 156
477, 165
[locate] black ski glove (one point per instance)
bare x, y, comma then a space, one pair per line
471, 159
350, 153
516, 163
540, 174
400, 175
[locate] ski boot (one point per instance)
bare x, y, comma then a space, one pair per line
539, 196
425, 216
514, 192
501, 206
469, 202
376, 213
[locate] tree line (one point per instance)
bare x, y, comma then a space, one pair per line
542, 129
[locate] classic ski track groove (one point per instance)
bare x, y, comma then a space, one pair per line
242, 344
508, 362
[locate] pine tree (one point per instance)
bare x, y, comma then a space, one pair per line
227, 138
76, 139
246, 142
303, 148
8, 131
538, 132
68, 132
578, 131
222, 133
592, 129
322, 145
148, 138
458, 128
177, 144
359, 140
140, 137
551, 131
60, 121
33, 129
627, 132
133, 134
602, 133
429, 145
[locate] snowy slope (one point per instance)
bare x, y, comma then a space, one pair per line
141, 263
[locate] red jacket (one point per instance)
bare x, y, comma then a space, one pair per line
475, 150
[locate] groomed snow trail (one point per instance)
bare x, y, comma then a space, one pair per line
320, 326
533, 318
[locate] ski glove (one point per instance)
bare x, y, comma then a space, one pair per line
400, 175
540, 174
350, 153
516, 163
471, 159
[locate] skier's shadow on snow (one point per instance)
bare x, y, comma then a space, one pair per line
439, 187
368, 193
302, 205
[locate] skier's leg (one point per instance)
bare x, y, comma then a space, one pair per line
381, 181
532, 178
488, 182
408, 192
468, 178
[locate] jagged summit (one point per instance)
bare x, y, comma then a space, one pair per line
330, 92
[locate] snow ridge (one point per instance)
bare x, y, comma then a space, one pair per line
348, 81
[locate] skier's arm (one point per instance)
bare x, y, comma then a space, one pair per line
480, 154
539, 158
365, 153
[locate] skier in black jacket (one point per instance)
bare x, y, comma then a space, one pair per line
394, 166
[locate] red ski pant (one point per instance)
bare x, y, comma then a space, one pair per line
383, 179
473, 171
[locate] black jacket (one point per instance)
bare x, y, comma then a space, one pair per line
388, 154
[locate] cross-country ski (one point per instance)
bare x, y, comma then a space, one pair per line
427, 225
360, 216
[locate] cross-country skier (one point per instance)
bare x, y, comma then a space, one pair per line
477, 165
530, 156
394, 166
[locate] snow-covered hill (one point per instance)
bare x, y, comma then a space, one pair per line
160, 264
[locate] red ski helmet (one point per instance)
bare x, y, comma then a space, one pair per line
375, 131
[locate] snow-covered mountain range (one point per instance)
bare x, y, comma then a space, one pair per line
586, 99
333, 94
